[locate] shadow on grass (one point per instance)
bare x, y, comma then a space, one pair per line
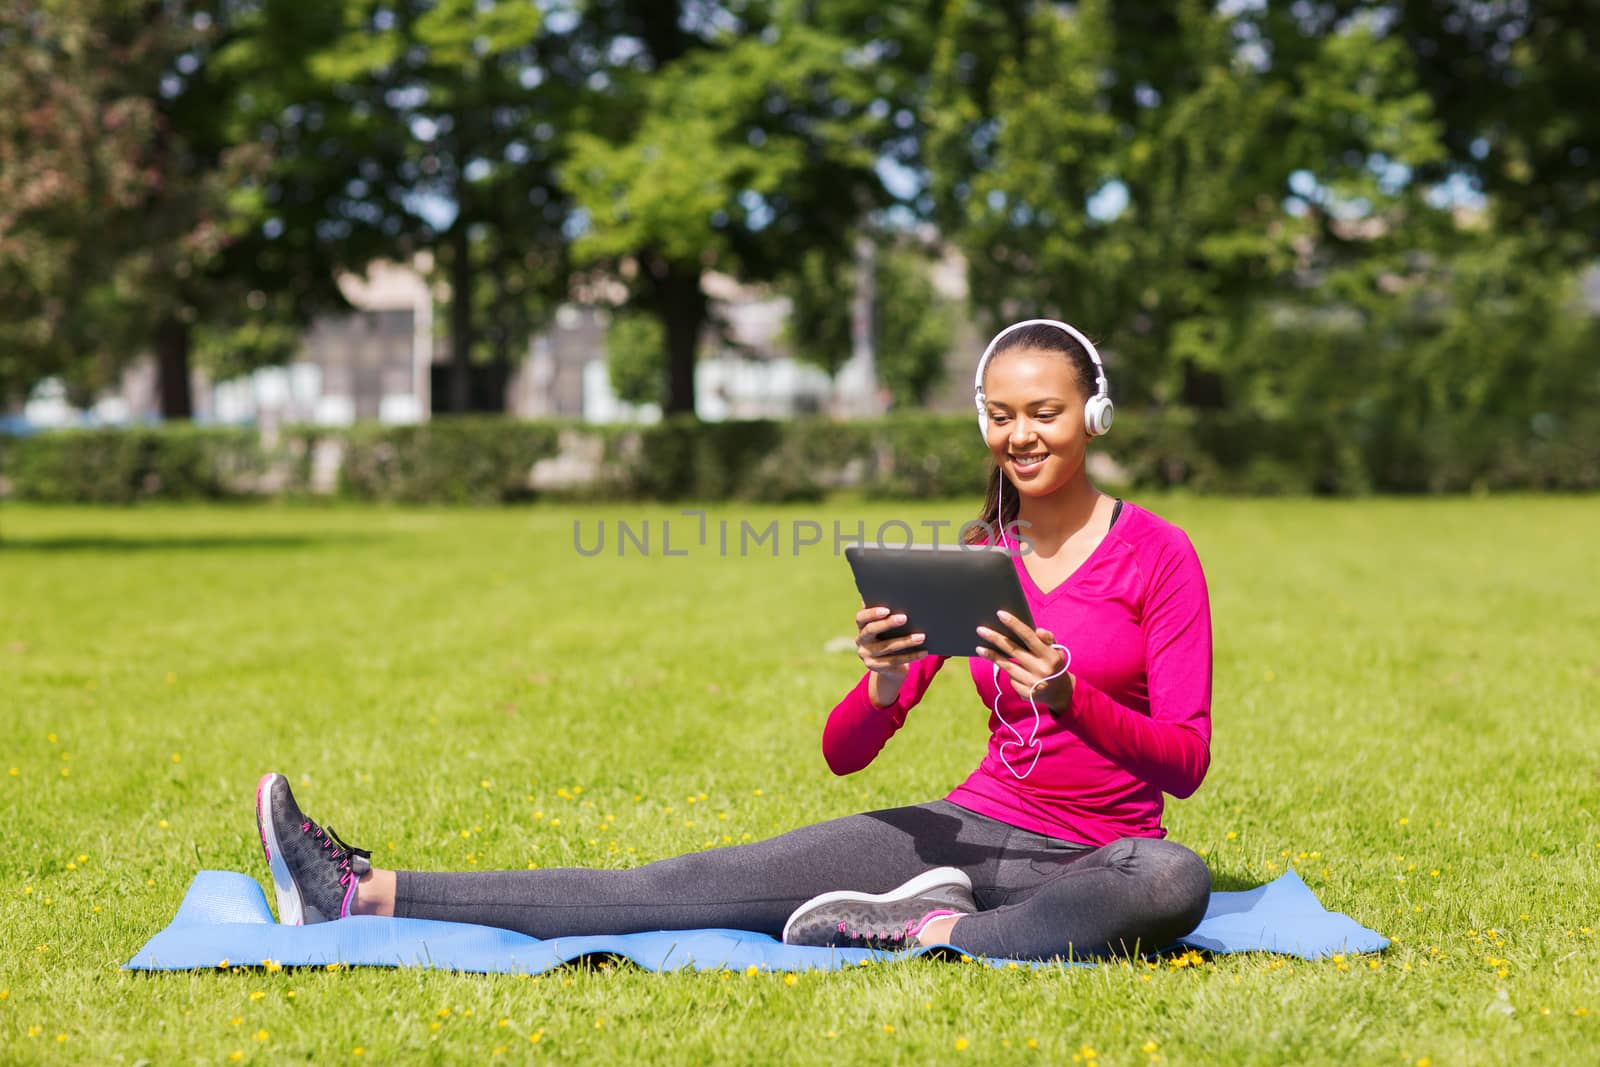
1233, 883
71, 543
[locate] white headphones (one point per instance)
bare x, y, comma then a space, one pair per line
1097, 410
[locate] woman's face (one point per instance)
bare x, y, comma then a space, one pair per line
1035, 419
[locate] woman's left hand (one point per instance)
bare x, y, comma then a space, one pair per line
1030, 656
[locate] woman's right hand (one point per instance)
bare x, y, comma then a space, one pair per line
888, 658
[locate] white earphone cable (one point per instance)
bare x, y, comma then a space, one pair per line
1033, 732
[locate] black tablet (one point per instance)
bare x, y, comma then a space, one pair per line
946, 592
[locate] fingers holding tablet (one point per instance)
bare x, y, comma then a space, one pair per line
886, 653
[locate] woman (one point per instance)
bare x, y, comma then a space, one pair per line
1052, 847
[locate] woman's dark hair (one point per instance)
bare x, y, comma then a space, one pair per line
1039, 337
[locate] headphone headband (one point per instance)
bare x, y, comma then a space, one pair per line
1102, 388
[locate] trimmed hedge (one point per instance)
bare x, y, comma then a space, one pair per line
126, 466
462, 460
491, 459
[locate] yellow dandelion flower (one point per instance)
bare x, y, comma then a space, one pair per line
599, 1022
791, 979
888, 1028
504, 1022
1233, 835
63, 1037
257, 994
163, 824
444, 1012
536, 1037
236, 1020
261, 1035
752, 969
358, 1051
961, 1044
35, 1031
1149, 1046
236, 1055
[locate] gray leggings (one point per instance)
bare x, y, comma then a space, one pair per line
1038, 897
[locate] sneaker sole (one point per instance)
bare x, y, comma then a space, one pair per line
920, 884
291, 910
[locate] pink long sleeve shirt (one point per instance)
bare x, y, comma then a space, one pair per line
1137, 619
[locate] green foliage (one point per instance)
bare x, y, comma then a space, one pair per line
458, 460
636, 358
911, 323
1217, 186
129, 466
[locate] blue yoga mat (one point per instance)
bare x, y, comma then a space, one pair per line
224, 920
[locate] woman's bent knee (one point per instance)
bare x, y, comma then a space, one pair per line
1179, 884
1174, 885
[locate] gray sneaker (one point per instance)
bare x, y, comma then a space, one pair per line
313, 872
892, 920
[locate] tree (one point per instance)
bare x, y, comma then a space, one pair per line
729, 139
1512, 85
1156, 177
912, 325
405, 125
115, 221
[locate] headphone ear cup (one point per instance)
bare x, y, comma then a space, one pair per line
1098, 412
983, 415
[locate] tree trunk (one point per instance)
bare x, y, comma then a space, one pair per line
460, 318
682, 309
172, 369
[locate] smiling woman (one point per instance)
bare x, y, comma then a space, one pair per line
1052, 846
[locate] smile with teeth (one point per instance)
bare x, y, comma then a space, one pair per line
1029, 460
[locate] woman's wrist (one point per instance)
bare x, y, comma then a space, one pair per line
1060, 700
883, 691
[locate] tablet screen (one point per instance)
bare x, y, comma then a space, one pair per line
946, 592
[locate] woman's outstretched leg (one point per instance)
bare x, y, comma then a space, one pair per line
747, 887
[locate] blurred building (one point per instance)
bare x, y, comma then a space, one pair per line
387, 357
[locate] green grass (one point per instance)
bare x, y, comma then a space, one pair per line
1405, 710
